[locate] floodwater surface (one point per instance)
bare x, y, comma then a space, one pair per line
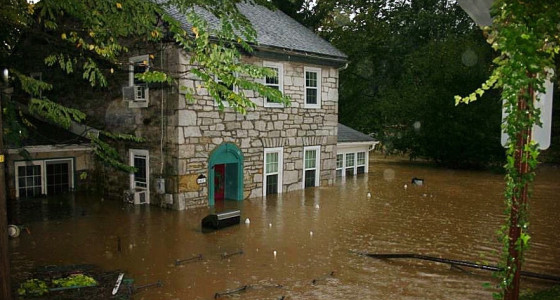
301, 245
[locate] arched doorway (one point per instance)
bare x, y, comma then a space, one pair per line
225, 174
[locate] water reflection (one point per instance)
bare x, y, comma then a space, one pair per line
453, 215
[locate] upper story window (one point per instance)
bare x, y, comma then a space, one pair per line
222, 95
312, 87
275, 82
137, 91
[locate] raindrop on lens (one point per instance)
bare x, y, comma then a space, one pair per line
417, 125
469, 58
389, 174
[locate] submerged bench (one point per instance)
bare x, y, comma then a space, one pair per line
222, 219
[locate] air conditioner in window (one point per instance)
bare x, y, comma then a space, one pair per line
134, 93
140, 197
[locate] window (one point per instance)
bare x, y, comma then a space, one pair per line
360, 163
273, 162
137, 91
29, 179
312, 87
311, 158
350, 164
275, 82
339, 164
44, 177
140, 179
58, 177
222, 95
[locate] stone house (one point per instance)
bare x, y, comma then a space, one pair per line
196, 154
205, 154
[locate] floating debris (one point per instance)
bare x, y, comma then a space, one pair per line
417, 181
245, 288
368, 194
134, 289
117, 284
230, 292
247, 221
226, 255
188, 260
314, 281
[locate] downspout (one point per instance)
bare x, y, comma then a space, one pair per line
161, 115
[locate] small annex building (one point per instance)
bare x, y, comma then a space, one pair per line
50, 161
352, 151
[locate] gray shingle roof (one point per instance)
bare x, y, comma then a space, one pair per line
274, 29
349, 135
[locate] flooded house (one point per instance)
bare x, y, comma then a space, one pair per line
195, 154
49, 161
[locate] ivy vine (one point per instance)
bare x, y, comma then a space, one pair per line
526, 36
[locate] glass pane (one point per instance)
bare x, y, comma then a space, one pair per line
339, 173
271, 162
339, 160
361, 170
311, 94
276, 87
272, 184
310, 159
361, 158
139, 68
309, 178
273, 79
349, 159
349, 172
140, 165
311, 79
58, 177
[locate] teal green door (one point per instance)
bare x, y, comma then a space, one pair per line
227, 154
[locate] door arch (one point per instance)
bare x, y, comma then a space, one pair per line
225, 173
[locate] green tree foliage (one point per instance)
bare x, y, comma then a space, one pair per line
87, 40
406, 59
526, 36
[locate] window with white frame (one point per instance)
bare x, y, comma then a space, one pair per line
223, 95
140, 160
273, 162
339, 164
350, 163
137, 91
312, 87
275, 82
311, 171
360, 163
44, 177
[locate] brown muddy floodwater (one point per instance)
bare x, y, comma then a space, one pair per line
454, 215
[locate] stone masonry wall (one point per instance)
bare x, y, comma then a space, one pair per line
200, 127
